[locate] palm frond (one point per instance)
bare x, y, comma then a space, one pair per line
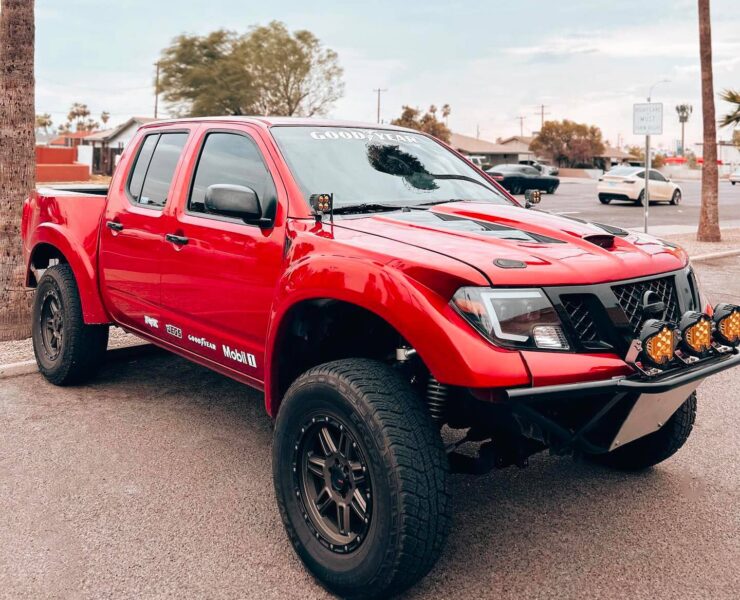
732, 117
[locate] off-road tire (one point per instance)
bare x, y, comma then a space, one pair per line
656, 447
407, 465
81, 347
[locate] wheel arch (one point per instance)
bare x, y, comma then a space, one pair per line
50, 244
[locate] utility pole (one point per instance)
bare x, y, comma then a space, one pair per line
379, 91
521, 125
156, 90
542, 112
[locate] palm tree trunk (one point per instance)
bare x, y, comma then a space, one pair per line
709, 218
17, 159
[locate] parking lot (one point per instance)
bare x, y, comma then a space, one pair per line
578, 198
155, 482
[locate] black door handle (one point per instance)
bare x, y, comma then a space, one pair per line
180, 240
114, 226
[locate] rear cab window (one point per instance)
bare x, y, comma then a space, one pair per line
154, 168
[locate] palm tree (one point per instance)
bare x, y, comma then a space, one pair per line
44, 122
732, 117
709, 218
684, 111
17, 159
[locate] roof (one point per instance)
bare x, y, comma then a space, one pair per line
473, 145
522, 139
108, 134
264, 121
61, 140
610, 152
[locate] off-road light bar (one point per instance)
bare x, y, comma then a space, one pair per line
659, 340
727, 324
696, 333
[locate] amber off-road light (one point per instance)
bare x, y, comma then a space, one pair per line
727, 324
696, 333
659, 341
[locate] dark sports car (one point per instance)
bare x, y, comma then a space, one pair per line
518, 178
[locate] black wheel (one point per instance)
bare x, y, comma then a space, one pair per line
655, 447
604, 199
640, 198
360, 478
676, 198
67, 351
514, 190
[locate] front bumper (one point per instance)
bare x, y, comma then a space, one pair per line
632, 406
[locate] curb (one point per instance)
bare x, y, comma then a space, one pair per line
713, 255
28, 367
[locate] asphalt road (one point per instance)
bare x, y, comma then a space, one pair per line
154, 482
578, 198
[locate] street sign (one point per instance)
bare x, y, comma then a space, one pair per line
647, 118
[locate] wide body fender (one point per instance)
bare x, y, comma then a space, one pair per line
80, 256
453, 352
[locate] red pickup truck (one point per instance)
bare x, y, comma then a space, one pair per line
377, 287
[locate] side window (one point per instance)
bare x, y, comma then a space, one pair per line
641, 175
230, 158
656, 176
142, 164
161, 169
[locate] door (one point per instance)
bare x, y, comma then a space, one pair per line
132, 238
660, 189
219, 275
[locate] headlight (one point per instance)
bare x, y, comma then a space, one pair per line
517, 318
696, 333
659, 341
727, 322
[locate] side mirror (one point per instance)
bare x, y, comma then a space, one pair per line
532, 197
235, 201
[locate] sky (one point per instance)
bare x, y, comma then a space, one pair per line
492, 61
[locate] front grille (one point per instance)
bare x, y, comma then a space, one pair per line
630, 295
580, 317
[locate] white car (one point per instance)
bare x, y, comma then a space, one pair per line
628, 183
735, 176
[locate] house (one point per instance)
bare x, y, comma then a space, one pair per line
612, 157
492, 153
108, 144
69, 139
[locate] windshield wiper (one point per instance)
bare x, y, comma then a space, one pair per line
435, 202
464, 178
349, 209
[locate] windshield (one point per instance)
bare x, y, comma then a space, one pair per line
364, 167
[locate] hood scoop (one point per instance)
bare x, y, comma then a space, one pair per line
602, 240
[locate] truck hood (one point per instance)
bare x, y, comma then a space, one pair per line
515, 246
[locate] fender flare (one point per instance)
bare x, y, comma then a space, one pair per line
449, 348
93, 311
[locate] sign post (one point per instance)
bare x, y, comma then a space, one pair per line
647, 120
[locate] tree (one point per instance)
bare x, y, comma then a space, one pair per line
568, 143
17, 159
427, 122
684, 112
732, 118
105, 117
268, 71
709, 216
43, 122
294, 73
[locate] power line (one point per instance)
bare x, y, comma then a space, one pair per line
521, 125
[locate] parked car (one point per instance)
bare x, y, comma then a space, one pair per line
628, 183
735, 176
543, 168
479, 161
376, 287
518, 178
